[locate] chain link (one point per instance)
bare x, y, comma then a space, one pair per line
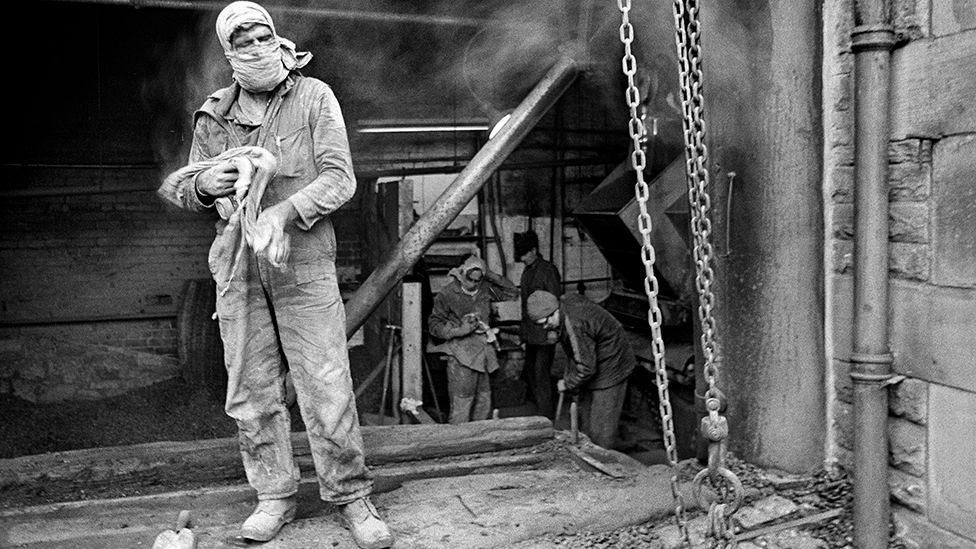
638, 160
714, 426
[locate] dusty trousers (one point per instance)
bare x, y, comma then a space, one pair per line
599, 412
470, 393
292, 317
537, 377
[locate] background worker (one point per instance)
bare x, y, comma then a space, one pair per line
461, 317
284, 311
540, 349
600, 358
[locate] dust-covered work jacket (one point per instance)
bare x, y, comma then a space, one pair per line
303, 127
599, 354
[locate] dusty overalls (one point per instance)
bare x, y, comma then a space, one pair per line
273, 319
470, 358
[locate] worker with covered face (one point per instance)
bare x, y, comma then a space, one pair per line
278, 297
461, 317
600, 358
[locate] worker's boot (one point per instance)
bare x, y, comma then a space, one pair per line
363, 521
268, 518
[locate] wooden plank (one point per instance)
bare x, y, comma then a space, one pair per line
412, 341
220, 459
932, 88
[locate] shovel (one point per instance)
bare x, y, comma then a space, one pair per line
181, 538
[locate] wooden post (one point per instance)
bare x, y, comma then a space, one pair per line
412, 327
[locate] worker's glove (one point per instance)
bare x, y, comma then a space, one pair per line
561, 385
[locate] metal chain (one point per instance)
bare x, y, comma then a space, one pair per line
638, 161
714, 426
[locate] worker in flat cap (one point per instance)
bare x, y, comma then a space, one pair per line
279, 307
461, 319
540, 348
600, 358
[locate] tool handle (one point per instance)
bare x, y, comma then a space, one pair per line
574, 420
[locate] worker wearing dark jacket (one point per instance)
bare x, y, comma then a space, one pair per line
461, 317
600, 359
282, 306
538, 274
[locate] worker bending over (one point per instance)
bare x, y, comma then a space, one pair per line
462, 318
600, 358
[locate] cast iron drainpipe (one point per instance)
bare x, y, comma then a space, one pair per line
398, 261
871, 359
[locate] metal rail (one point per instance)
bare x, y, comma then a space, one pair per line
331, 13
398, 261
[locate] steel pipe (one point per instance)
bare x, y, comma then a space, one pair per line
398, 261
330, 13
872, 40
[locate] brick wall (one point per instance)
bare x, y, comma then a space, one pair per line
108, 268
932, 247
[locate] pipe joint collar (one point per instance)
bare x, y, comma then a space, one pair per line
872, 37
871, 368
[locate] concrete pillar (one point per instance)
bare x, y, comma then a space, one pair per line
763, 106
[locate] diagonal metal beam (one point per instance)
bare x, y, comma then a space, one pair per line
398, 261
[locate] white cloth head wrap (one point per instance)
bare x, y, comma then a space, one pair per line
241, 13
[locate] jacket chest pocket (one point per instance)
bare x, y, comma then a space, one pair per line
296, 156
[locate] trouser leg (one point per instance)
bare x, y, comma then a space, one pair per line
538, 363
462, 384
482, 399
255, 390
599, 411
311, 325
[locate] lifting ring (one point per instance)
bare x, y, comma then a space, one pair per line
697, 489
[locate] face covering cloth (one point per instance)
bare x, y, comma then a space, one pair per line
261, 67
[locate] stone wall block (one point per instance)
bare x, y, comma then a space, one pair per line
910, 19
909, 181
907, 490
844, 86
910, 261
842, 221
842, 184
843, 386
919, 533
840, 131
949, 17
843, 257
843, 424
908, 222
906, 446
910, 400
910, 150
843, 155
954, 211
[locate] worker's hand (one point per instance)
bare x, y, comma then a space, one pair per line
469, 323
269, 238
218, 180
561, 386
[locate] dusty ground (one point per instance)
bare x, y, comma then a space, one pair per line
171, 410
175, 411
